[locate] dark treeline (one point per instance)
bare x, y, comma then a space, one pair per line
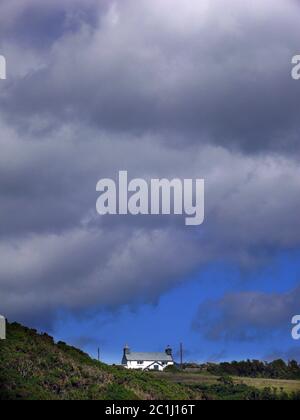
257, 369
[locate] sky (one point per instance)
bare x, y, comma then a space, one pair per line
161, 89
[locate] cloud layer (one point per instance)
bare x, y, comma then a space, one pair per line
202, 74
247, 316
161, 89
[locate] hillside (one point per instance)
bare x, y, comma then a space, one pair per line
34, 367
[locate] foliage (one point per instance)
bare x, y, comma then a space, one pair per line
228, 390
33, 367
277, 369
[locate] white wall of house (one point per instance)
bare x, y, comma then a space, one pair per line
148, 364
2, 328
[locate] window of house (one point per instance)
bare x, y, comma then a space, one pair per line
140, 362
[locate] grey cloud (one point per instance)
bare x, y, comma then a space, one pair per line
88, 268
247, 316
56, 252
36, 25
182, 94
211, 75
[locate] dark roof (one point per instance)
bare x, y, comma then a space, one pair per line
148, 357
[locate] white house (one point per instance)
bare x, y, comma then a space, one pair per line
2, 328
147, 361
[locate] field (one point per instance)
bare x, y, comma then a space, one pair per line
208, 380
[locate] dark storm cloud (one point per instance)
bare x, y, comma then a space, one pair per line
160, 91
38, 24
247, 316
56, 252
214, 75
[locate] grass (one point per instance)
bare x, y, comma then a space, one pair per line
191, 379
287, 386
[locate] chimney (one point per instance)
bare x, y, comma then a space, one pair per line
169, 351
126, 350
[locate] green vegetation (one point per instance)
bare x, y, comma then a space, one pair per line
226, 387
33, 367
242, 392
256, 369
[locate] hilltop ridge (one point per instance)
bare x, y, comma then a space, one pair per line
34, 367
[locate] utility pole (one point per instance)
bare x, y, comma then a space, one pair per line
181, 356
98, 354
